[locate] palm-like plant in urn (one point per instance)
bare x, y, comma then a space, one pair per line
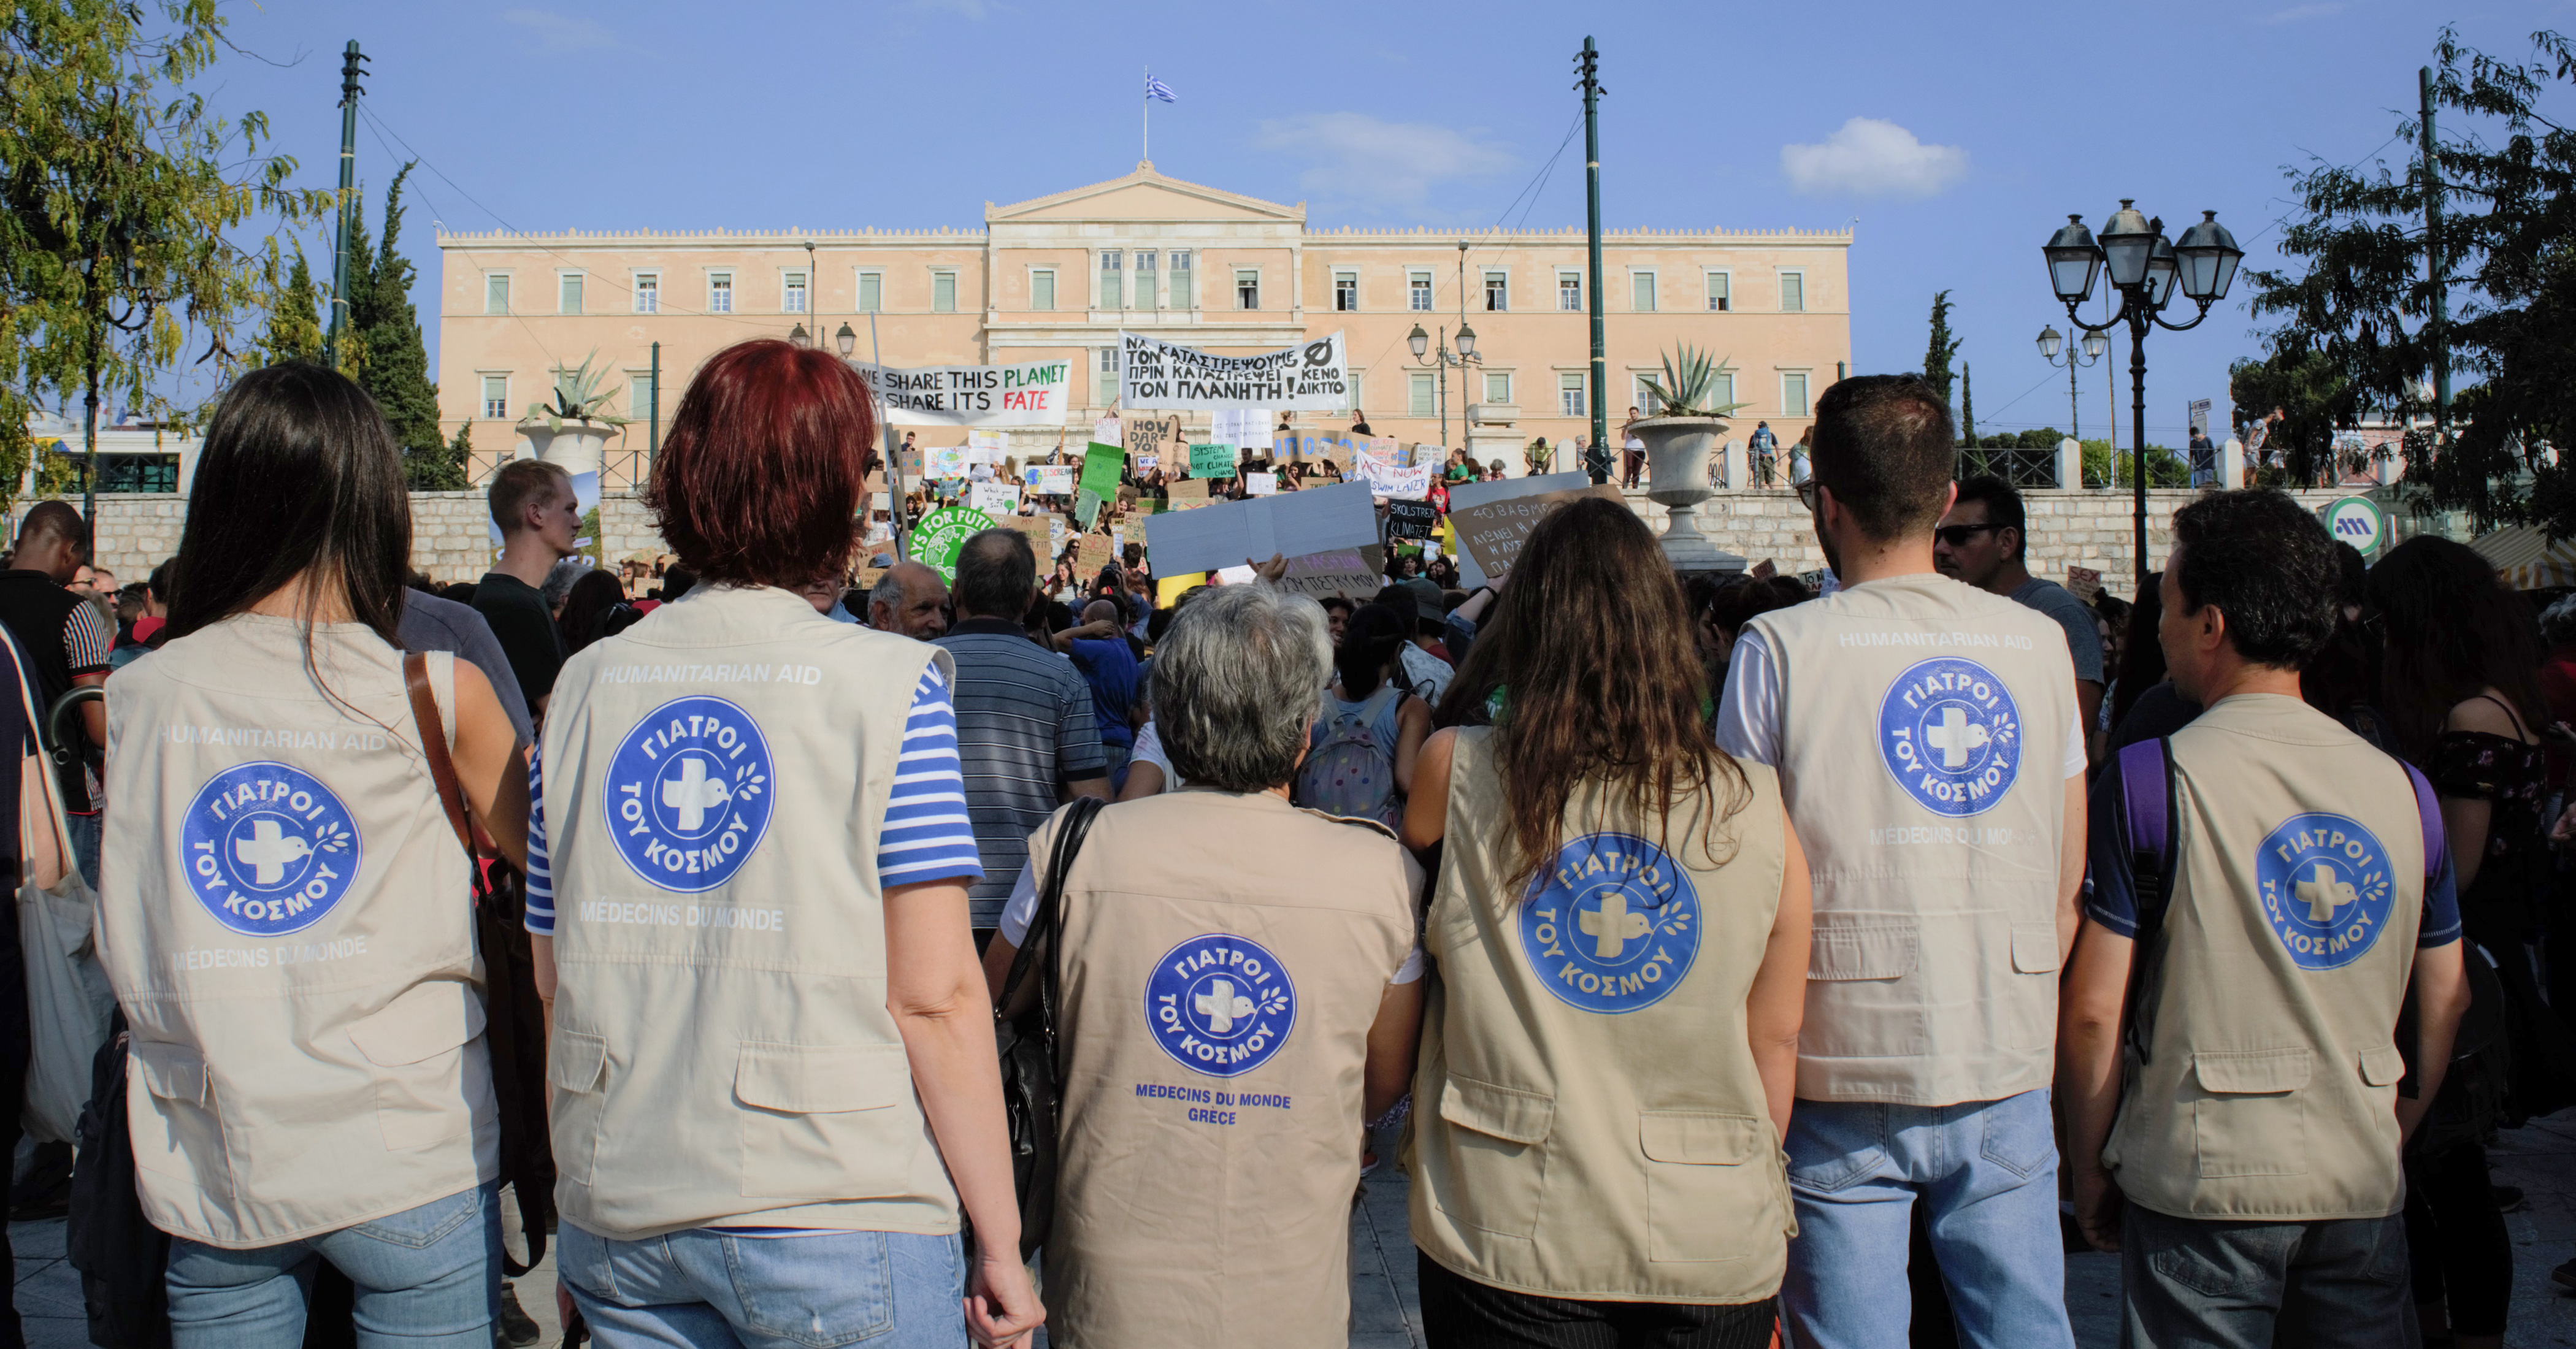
572, 428
1684, 431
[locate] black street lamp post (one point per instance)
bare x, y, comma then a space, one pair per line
2146, 270
2051, 342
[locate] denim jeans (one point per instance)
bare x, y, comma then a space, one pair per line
1986, 1173
427, 1278
890, 1290
86, 831
2226, 1284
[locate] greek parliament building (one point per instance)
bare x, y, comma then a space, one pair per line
1057, 278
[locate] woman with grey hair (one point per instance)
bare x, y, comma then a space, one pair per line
1240, 991
559, 583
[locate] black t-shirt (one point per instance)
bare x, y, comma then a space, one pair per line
59, 644
527, 633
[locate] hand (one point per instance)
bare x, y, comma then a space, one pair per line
2563, 833
565, 1314
1002, 1310
2097, 1208
1271, 570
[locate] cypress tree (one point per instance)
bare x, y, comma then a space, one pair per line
1967, 410
1936, 357
294, 317
394, 365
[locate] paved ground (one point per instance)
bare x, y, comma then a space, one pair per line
1385, 1309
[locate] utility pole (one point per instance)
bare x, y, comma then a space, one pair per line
349, 91
1590, 65
2433, 263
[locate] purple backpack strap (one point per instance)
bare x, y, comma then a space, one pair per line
2145, 791
2429, 812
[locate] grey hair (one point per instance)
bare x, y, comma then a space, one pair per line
2558, 622
560, 577
1237, 681
888, 592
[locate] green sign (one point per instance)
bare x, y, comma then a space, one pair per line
2360, 522
1101, 465
941, 533
1213, 461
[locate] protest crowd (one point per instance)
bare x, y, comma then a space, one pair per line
927, 931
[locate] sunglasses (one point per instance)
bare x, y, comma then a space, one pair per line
1807, 493
1957, 536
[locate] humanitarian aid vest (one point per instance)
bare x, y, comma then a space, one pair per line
2269, 1086
1587, 1121
288, 921
1224, 956
1923, 727
715, 781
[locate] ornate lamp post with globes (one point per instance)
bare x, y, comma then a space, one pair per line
2051, 342
2146, 270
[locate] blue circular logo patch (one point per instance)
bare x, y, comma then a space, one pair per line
689, 793
1220, 1004
1951, 735
268, 848
1611, 924
2326, 888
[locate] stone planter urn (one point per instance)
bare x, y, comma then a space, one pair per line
1677, 455
579, 446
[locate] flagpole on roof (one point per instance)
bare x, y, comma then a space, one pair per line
1145, 150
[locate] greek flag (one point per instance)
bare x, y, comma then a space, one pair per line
1155, 88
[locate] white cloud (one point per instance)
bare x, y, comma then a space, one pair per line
563, 32
1872, 158
1394, 165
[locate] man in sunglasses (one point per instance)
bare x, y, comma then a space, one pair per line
1984, 542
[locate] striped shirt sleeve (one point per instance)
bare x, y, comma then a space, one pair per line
87, 639
928, 835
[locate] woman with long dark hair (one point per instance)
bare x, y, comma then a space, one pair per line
1621, 929
586, 608
1363, 747
288, 922
2459, 683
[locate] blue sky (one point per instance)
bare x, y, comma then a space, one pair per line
1981, 126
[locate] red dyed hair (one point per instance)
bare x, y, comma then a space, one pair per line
761, 475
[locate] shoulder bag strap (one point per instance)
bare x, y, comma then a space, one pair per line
1069, 833
433, 744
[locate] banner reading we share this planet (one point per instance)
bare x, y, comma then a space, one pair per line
1033, 393
1307, 378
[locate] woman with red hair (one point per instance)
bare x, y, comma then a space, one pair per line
774, 1079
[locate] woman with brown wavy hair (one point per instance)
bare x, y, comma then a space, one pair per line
1620, 927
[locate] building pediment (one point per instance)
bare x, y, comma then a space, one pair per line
1146, 195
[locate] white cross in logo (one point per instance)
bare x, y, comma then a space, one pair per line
1611, 928
693, 794
1954, 737
1221, 1005
268, 851
2324, 893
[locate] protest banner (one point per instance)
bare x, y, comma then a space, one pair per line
1101, 466
1243, 428
1144, 434
2085, 582
941, 533
1157, 374
1032, 393
1041, 531
1387, 480
1495, 532
943, 463
1187, 494
1086, 506
1343, 572
1260, 484
1411, 519
1213, 461
994, 498
1107, 431
1049, 480
913, 463
1092, 552
1465, 494
1146, 463
1293, 523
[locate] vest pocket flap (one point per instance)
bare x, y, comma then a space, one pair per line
1701, 1137
820, 1079
577, 1060
2251, 1072
2382, 1067
2035, 949
1506, 1113
1887, 951
171, 1072
424, 1021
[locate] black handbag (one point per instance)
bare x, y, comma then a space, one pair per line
1027, 1042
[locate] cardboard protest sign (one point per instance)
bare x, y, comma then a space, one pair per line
1187, 494
1260, 484
1145, 434
994, 498
941, 533
1157, 374
876, 482
1293, 523
1765, 570
1032, 393
1465, 494
1411, 519
1091, 553
1344, 572
1388, 480
1049, 480
1101, 466
1296, 447
2085, 582
1495, 532
913, 463
1041, 531
1212, 461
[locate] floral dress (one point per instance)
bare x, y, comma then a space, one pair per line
2513, 777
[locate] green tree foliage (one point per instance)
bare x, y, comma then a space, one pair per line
1936, 357
1967, 409
120, 192
294, 316
2313, 398
2359, 296
394, 365
2102, 468
441, 469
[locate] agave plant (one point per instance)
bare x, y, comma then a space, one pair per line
578, 397
1690, 376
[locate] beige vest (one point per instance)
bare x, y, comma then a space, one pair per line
288, 922
1922, 752
2270, 1087
715, 779
1224, 957
1587, 1122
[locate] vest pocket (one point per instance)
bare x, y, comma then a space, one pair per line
1707, 1195
1863, 1000
1882, 951
417, 1043
818, 1121
577, 1065
1493, 1158
2252, 1122
2382, 1067
182, 1137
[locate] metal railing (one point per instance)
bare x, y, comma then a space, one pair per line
2021, 468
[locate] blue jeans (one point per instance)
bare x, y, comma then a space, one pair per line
715, 1290
427, 1278
86, 831
1986, 1172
